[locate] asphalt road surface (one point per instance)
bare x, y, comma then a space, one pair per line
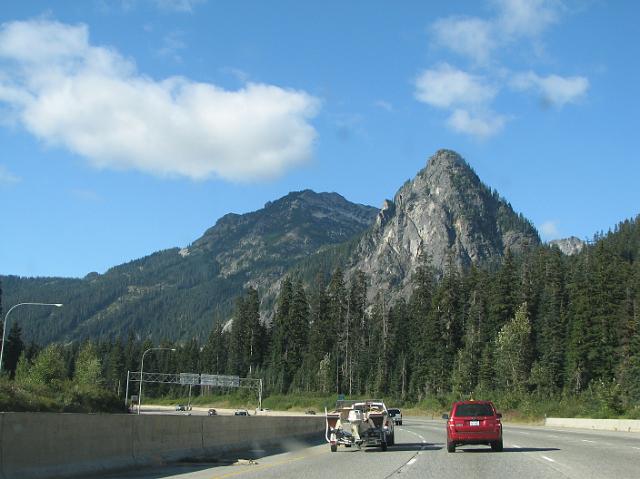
420, 452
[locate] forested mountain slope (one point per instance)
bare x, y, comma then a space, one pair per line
181, 293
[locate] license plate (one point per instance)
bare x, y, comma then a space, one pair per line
474, 423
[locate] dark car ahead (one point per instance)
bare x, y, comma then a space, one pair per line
396, 415
474, 422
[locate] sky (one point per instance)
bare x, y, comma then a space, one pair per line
131, 126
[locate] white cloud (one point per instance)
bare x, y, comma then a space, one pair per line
526, 17
471, 37
469, 96
478, 39
93, 102
549, 229
445, 86
481, 125
554, 89
6, 177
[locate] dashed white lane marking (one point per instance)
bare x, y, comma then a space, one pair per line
638, 448
411, 461
587, 440
424, 441
516, 446
547, 458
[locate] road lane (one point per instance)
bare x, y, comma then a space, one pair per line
529, 452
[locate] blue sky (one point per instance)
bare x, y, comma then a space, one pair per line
131, 126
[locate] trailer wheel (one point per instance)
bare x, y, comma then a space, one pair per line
384, 446
334, 447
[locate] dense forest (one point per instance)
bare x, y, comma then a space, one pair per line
540, 328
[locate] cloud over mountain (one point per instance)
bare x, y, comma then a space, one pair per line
93, 101
485, 43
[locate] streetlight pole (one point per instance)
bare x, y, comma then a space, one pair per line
6, 316
142, 369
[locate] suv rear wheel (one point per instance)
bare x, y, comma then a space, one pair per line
451, 447
496, 446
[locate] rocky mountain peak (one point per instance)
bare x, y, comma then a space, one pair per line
445, 210
568, 246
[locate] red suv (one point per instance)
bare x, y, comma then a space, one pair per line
473, 422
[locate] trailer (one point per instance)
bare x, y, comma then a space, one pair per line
360, 424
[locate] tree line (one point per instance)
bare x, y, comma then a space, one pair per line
540, 325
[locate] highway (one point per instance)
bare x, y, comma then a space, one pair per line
420, 452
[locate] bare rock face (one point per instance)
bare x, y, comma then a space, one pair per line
568, 246
445, 210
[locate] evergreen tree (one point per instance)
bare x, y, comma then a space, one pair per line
320, 341
13, 349
337, 326
356, 324
114, 369
503, 294
279, 347
424, 330
297, 332
214, 353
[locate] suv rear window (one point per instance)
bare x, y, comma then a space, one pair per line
394, 411
465, 410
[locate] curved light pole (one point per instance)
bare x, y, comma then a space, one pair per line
142, 368
6, 316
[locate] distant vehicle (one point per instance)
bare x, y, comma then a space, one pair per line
474, 422
241, 412
396, 415
311, 412
181, 407
212, 412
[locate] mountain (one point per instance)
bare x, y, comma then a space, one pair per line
447, 213
569, 246
179, 293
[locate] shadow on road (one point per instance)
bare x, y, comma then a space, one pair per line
409, 446
509, 449
529, 449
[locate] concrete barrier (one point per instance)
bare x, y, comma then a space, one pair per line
49, 444
626, 425
44, 445
158, 438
